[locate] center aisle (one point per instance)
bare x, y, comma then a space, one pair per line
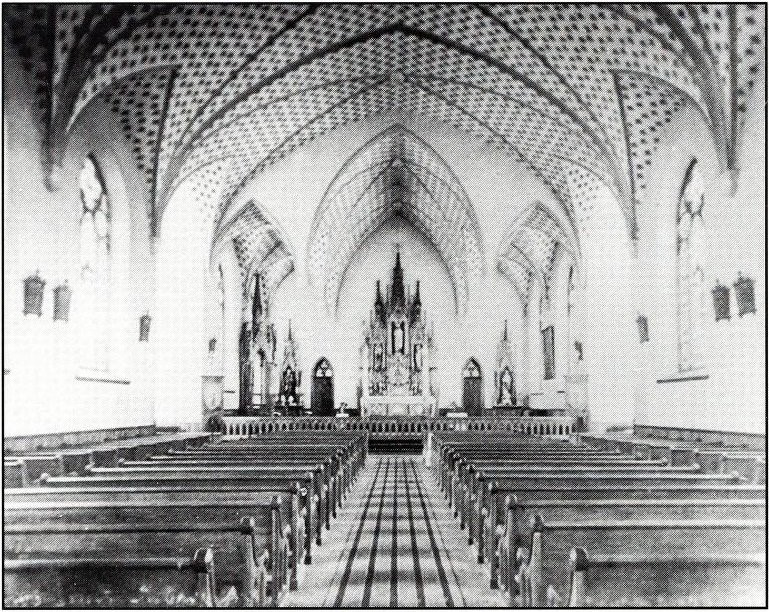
395, 544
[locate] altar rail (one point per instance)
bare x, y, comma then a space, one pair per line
559, 428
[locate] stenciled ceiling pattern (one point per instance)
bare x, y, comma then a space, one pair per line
528, 249
395, 173
578, 93
259, 245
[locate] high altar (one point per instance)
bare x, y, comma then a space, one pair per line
396, 354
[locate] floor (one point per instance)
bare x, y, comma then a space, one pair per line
394, 544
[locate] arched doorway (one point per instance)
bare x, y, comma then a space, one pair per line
472, 389
322, 399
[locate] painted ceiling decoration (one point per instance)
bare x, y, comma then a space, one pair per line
259, 244
395, 173
240, 86
529, 248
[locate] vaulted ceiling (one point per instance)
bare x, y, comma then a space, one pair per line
215, 93
395, 173
528, 250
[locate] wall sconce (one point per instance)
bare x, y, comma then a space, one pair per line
33, 294
643, 328
144, 327
721, 301
745, 294
62, 296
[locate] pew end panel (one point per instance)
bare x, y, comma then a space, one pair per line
711, 580
114, 582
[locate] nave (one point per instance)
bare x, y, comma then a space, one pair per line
396, 544
308, 519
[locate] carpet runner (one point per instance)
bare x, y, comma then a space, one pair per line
395, 544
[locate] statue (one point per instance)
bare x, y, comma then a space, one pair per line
291, 379
504, 377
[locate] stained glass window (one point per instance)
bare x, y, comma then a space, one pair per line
690, 277
95, 267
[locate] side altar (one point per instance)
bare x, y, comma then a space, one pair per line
396, 354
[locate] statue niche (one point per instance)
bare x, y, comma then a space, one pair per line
504, 377
289, 396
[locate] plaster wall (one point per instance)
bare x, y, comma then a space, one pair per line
46, 389
730, 394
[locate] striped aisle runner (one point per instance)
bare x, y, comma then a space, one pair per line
395, 544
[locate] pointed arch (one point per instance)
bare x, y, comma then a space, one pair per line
394, 173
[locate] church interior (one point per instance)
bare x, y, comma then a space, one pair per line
370, 305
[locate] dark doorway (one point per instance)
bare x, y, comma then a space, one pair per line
322, 399
472, 390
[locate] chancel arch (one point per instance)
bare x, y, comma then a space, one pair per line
395, 173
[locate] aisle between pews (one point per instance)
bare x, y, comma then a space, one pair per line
395, 544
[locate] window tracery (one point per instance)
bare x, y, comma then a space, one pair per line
690, 227
95, 267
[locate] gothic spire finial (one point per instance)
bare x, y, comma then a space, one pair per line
398, 297
416, 305
379, 309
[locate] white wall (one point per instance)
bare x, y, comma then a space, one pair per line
733, 395
608, 322
456, 339
44, 387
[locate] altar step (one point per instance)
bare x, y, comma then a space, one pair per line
398, 443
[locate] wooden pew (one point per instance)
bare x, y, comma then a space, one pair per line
320, 486
465, 492
341, 464
451, 457
252, 551
545, 563
354, 440
661, 580
301, 487
492, 509
464, 480
237, 501
114, 582
59, 462
589, 510
56, 464
15, 473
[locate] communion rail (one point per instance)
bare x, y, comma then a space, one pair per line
555, 427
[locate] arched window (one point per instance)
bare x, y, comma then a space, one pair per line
690, 226
322, 397
220, 298
95, 266
472, 388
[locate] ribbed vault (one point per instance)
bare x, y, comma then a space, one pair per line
528, 249
569, 90
259, 244
395, 173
